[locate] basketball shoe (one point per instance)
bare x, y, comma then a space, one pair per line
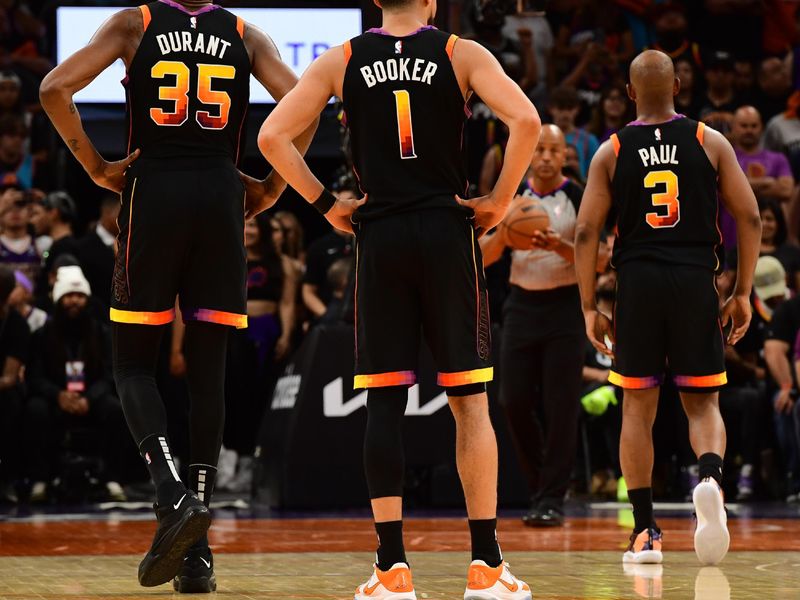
181, 523
487, 583
394, 584
197, 573
645, 548
711, 538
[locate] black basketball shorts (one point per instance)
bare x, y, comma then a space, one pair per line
667, 317
181, 235
420, 275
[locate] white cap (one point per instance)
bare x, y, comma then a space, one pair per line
70, 280
770, 278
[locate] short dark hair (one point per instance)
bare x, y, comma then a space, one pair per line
390, 4
7, 283
781, 229
11, 124
565, 96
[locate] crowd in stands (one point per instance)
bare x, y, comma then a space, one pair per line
737, 75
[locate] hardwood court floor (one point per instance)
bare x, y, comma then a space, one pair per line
314, 559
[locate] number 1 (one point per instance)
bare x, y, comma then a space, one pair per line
404, 128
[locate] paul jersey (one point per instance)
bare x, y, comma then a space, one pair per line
406, 114
665, 195
188, 85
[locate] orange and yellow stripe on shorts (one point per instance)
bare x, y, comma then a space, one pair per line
216, 316
703, 381
135, 317
465, 377
377, 380
634, 383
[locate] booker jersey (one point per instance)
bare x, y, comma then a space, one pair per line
406, 115
188, 85
665, 195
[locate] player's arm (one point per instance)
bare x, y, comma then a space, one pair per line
293, 115
738, 198
492, 247
483, 74
57, 90
592, 216
278, 79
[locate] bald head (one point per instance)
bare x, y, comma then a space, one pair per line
652, 79
552, 135
746, 128
549, 157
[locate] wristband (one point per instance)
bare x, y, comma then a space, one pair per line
325, 202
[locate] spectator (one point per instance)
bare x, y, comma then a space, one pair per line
95, 251
20, 36
720, 100
21, 300
71, 387
687, 101
781, 337
599, 23
340, 279
516, 28
11, 104
744, 79
774, 87
572, 165
293, 244
671, 33
564, 108
336, 244
783, 134
18, 249
54, 217
780, 26
16, 165
14, 352
774, 243
612, 113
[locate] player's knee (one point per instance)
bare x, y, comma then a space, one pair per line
469, 409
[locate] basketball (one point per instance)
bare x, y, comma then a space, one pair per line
525, 218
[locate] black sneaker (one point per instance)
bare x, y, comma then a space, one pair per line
545, 517
180, 525
197, 573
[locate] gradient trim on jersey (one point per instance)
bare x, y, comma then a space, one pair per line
146, 16
136, 317
451, 45
484, 375
390, 379
634, 383
215, 316
701, 381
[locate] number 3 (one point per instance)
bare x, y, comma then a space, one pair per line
668, 198
179, 94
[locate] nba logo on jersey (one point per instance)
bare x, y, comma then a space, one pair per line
147, 458
193, 21
658, 135
398, 47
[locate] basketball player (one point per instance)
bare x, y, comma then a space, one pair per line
661, 174
419, 267
183, 211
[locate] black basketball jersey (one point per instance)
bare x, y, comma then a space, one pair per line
188, 85
665, 195
406, 115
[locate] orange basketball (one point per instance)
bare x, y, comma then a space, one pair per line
526, 217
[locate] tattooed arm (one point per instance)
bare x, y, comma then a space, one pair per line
117, 38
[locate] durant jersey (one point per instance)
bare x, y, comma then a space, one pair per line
406, 115
665, 195
188, 85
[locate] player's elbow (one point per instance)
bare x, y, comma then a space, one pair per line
268, 139
528, 123
583, 233
49, 89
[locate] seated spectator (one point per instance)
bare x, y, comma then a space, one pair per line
72, 387
95, 251
18, 250
293, 244
17, 167
14, 353
341, 281
720, 99
21, 300
11, 104
783, 133
774, 87
21, 34
687, 102
54, 217
572, 165
671, 33
564, 108
774, 243
317, 292
612, 113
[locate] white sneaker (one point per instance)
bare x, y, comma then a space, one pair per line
394, 584
711, 538
39, 492
243, 482
226, 469
115, 492
487, 583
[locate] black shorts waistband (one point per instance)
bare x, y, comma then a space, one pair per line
556, 295
183, 163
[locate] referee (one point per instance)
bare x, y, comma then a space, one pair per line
543, 343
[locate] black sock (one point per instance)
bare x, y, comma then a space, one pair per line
390, 544
710, 465
158, 458
642, 500
484, 542
201, 481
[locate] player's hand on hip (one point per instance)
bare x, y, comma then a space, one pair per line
111, 175
341, 213
488, 210
736, 311
598, 329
